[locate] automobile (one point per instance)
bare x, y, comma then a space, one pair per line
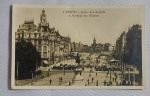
73, 67
61, 67
69, 67
66, 67
65, 64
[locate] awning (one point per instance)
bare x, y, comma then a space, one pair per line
45, 62
113, 60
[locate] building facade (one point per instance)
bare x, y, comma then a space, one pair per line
79, 47
49, 43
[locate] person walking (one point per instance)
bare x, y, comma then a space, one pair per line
104, 82
88, 81
110, 83
85, 84
97, 83
69, 83
89, 75
96, 73
92, 79
50, 81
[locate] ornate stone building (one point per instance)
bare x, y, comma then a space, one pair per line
48, 42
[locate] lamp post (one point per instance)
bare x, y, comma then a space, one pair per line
129, 74
64, 70
110, 71
64, 66
17, 72
134, 77
32, 77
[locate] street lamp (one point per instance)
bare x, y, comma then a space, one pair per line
32, 77
17, 72
64, 70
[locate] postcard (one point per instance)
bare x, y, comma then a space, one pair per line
78, 47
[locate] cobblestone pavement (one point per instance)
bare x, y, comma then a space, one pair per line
101, 76
68, 77
55, 80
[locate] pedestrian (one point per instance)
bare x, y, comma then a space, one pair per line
89, 75
110, 83
97, 83
90, 70
85, 84
96, 73
69, 83
105, 82
92, 79
120, 83
50, 81
88, 81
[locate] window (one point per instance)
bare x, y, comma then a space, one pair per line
45, 48
22, 35
39, 42
35, 35
25, 35
18, 35
39, 49
35, 42
44, 54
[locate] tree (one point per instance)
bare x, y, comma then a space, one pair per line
134, 48
27, 57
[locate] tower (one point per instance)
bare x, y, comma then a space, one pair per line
94, 41
43, 25
43, 18
94, 44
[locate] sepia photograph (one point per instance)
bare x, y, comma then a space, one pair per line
78, 47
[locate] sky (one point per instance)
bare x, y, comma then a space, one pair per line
106, 27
